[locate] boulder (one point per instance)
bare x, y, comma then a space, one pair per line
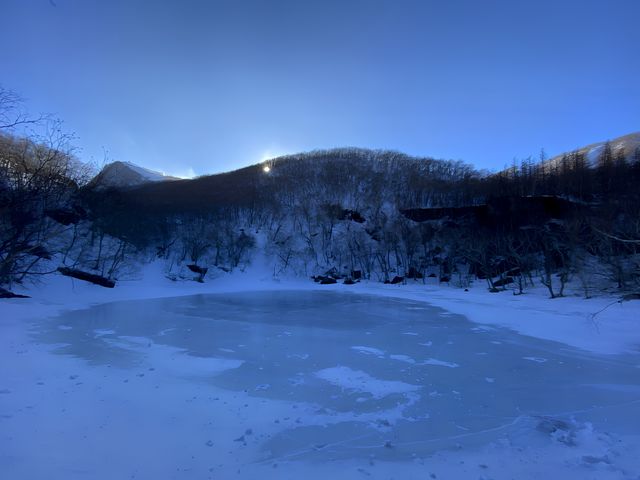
414, 273
397, 279
327, 280
197, 269
333, 273
201, 271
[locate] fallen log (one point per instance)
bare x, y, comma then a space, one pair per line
7, 294
87, 277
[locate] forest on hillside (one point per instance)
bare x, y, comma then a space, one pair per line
340, 215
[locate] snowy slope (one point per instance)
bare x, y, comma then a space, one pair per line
126, 174
628, 144
147, 174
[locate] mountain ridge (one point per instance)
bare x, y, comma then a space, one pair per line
120, 174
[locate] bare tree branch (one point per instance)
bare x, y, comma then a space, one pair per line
618, 239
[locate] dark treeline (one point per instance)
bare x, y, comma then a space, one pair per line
350, 212
347, 211
39, 178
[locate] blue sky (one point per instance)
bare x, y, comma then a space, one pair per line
197, 86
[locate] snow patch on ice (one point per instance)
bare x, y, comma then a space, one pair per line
101, 332
439, 363
369, 350
301, 356
361, 382
535, 359
402, 358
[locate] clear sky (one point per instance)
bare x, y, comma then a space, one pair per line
197, 86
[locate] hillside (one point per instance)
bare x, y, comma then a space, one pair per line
626, 146
349, 176
355, 213
126, 174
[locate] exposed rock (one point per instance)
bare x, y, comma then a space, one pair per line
558, 429
414, 273
333, 273
201, 271
327, 280
324, 279
197, 269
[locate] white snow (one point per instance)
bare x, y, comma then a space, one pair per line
402, 358
536, 359
593, 155
369, 350
439, 363
600, 325
146, 173
44, 403
361, 382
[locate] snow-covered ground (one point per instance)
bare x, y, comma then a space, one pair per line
600, 325
75, 410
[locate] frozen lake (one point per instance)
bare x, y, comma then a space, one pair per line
212, 385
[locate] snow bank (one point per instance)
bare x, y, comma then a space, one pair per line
600, 325
48, 407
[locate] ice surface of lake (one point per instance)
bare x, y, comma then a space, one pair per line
212, 385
